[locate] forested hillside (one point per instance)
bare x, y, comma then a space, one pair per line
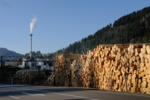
131, 28
5, 52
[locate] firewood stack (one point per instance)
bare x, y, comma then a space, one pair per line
121, 67
118, 68
76, 73
64, 75
28, 76
87, 69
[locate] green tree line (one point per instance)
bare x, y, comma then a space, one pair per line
131, 28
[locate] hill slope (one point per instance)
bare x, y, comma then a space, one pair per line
131, 28
5, 52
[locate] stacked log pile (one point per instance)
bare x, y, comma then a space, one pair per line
51, 80
76, 73
122, 67
63, 70
29, 77
87, 69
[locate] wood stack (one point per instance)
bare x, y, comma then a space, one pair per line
118, 68
76, 73
28, 76
63, 69
87, 69
121, 67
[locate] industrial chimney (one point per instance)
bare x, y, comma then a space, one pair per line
31, 47
32, 26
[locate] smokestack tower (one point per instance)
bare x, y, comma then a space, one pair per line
32, 26
31, 47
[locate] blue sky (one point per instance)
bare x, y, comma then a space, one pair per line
59, 22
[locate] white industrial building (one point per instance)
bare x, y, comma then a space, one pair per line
35, 64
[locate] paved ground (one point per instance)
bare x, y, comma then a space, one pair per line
26, 92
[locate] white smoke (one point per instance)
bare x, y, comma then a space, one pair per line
32, 24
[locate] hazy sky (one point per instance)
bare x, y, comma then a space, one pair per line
59, 22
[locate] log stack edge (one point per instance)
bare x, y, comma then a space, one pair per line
120, 67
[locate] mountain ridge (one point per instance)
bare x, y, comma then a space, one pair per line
6, 52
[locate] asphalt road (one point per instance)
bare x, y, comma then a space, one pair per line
28, 92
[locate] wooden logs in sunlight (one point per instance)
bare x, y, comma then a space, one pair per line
64, 73
120, 67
